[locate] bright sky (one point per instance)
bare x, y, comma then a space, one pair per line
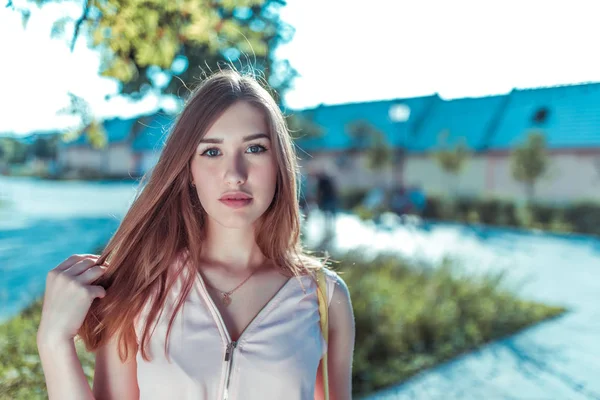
344, 53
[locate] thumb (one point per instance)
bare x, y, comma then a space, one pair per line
98, 291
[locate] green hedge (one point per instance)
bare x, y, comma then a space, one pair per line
408, 317
578, 217
351, 198
581, 217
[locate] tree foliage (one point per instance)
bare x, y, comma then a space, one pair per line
140, 39
93, 128
365, 136
166, 45
303, 125
12, 151
44, 147
529, 161
451, 159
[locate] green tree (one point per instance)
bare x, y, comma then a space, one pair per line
13, 151
304, 126
165, 45
44, 148
530, 161
451, 159
366, 137
92, 126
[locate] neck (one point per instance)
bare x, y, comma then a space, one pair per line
234, 250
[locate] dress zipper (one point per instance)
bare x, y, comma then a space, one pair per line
231, 346
229, 359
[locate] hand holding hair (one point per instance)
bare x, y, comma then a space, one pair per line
68, 297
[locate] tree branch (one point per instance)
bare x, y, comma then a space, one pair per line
80, 21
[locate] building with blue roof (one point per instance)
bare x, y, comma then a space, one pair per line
568, 115
396, 119
490, 126
468, 119
132, 148
411, 128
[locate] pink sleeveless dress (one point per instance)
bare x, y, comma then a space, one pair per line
276, 357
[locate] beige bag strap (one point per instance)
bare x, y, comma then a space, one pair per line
324, 314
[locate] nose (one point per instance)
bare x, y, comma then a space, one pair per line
236, 171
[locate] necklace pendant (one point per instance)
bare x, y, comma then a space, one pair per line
226, 299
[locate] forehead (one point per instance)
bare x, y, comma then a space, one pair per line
239, 120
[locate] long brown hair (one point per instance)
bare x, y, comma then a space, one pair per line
167, 220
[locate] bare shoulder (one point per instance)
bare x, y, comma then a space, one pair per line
336, 279
113, 378
340, 309
341, 338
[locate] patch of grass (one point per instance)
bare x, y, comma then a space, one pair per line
411, 317
408, 318
21, 374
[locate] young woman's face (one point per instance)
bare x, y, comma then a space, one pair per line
233, 161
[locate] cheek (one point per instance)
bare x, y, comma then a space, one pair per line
205, 178
266, 175
204, 172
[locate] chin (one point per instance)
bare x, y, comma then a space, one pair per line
236, 221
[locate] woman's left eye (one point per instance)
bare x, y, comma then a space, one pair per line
257, 148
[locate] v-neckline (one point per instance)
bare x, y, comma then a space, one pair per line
217, 314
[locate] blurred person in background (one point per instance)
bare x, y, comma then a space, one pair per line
399, 201
216, 228
326, 196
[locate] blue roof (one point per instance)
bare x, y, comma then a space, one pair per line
335, 118
573, 118
147, 132
118, 130
152, 135
469, 118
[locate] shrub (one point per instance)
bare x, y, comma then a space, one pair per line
584, 217
352, 198
578, 217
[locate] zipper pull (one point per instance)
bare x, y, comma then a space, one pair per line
230, 348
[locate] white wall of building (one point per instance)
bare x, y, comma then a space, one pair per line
570, 177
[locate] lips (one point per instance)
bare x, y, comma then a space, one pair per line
236, 196
236, 199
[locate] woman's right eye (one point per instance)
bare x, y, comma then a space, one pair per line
211, 152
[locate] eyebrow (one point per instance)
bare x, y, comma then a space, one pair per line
246, 138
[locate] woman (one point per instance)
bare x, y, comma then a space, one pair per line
204, 291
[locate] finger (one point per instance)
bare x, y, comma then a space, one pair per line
97, 291
69, 262
81, 267
91, 274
